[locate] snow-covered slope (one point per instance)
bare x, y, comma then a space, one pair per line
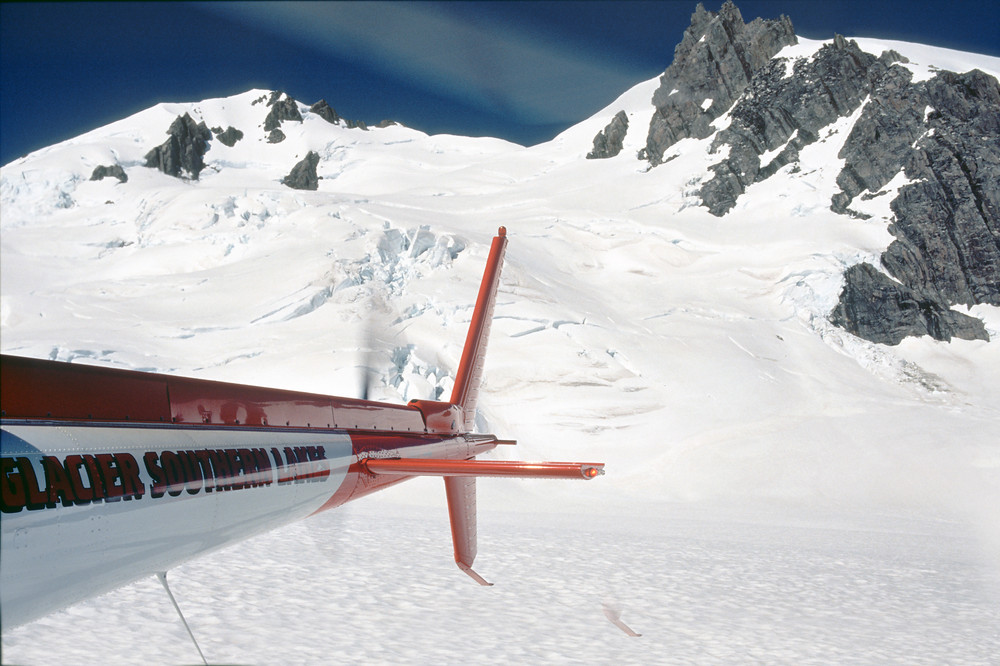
691, 353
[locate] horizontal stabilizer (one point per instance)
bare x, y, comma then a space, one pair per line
508, 468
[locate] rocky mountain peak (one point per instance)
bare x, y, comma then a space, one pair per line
184, 149
942, 134
713, 64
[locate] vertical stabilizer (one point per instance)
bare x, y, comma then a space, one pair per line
470, 370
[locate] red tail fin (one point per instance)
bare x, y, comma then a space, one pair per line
470, 370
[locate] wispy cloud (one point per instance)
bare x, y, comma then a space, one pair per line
509, 71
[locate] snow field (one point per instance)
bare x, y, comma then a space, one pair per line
374, 583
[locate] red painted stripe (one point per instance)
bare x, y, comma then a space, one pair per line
39, 389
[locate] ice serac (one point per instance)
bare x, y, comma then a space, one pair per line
610, 140
713, 64
183, 151
303, 175
944, 134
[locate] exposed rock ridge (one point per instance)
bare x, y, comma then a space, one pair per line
874, 307
303, 175
330, 115
610, 140
183, 151
281, 110
115, 170
713, 64
788, 112
944, 133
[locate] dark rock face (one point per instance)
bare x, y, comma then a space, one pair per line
229, 137
609, 141
945, 135
183, 150
778, 110
947, 220
715, 61
877, 309
115, 171
303, 175
275, 136
281, 110
327, 113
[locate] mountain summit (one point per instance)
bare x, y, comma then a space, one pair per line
941, 133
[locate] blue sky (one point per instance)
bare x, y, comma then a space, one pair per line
522, 71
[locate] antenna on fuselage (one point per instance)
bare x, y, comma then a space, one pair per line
162, 575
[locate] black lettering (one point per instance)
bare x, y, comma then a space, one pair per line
84, 494
110, 475
94, 474
57, 484
156, 473
322, 464
223, 474
290, 466
249, 466
192, 472
236, 467
132, 485
174, 473
303, 469
204, 459
12, 493
263, 467
35, 497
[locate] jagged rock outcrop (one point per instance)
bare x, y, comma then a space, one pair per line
876, 308
713, 64
183, 151
944, 133
229, 136
303, 175
281, 110
788, 112
115, 171
275, 136
327, 113
610, 140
